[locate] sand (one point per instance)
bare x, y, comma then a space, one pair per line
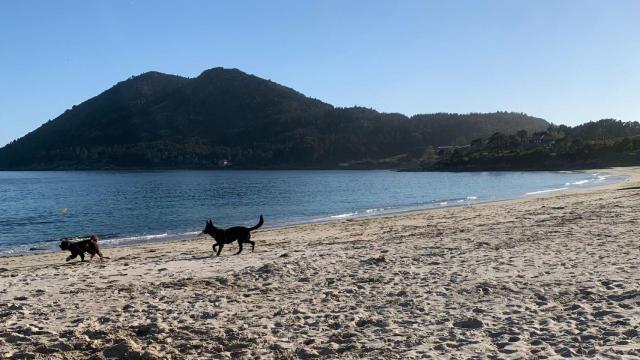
547, 277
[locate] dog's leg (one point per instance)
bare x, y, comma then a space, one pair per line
240, 245
214, 249
81, 256
220, 249
253, 244
72, 256
91, 257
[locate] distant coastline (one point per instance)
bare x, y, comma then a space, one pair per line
365, 165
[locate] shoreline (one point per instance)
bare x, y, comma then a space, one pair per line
544, 276
336, 218
330, 218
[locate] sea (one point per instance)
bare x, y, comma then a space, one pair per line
38, 208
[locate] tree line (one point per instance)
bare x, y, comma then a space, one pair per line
603, 143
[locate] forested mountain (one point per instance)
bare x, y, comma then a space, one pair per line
156, 120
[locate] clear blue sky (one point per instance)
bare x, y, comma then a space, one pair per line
566, 61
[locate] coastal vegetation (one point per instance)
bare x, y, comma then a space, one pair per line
603, 143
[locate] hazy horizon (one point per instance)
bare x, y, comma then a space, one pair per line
568, 62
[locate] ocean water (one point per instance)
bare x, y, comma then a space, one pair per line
40, 208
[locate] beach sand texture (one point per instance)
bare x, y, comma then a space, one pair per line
547, 277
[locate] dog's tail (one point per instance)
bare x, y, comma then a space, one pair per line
258, 225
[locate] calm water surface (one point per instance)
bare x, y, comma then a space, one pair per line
39, 208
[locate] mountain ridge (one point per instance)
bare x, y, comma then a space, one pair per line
157, 120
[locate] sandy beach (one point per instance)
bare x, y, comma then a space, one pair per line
546, 277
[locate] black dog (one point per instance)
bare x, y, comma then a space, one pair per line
240, 233
79, 248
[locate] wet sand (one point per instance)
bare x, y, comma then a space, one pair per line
545, 277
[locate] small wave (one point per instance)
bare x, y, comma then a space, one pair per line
375, 210
546, 191
345, 215
580, 182
135, 238
443, 203
601, 176
472, 198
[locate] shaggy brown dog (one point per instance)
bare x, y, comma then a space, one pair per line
227, 236
79, 248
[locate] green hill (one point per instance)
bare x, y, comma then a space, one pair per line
156, 120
